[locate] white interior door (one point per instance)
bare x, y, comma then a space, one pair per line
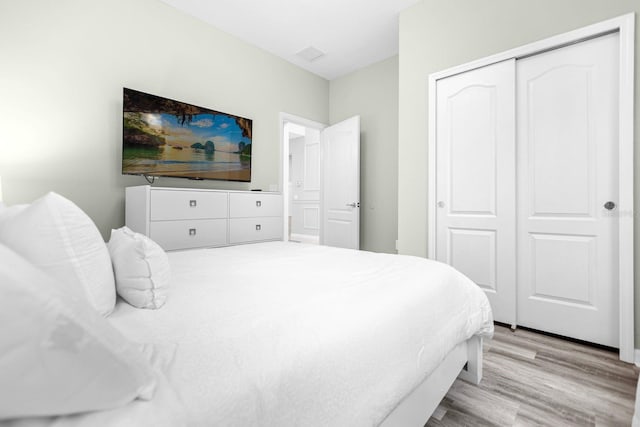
475, 190
568, 152
341, 184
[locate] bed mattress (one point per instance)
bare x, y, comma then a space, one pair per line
279, 333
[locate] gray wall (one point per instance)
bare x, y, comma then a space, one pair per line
63, 67
435, 35
372, 92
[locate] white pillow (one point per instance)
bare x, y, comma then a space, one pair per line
9, 211
141, 268
60, 239
57, 354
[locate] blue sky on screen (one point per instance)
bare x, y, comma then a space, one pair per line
219, 128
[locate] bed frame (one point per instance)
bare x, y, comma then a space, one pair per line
464, 361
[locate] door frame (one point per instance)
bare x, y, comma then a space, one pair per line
285, 118
625, 26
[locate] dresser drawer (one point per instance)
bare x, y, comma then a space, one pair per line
245, 205
243, 230
172, 205
184, 234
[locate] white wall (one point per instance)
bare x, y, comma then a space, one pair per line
435, 35
372, 92
63, 66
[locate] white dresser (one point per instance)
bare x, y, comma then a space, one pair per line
184, 218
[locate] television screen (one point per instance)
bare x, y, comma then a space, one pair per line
163, 137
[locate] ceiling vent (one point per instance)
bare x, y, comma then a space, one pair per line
310, 54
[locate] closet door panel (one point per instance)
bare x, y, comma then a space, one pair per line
482, 266
472, 148
567, 144
475, 189
557, 139
557, 277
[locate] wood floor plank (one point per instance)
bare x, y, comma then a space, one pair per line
480, 403
531, 379
513, 348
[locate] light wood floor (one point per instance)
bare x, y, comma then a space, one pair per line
532, 379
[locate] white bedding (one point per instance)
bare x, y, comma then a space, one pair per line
166, 409
283, 334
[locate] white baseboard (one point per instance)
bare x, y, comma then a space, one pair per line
637, 357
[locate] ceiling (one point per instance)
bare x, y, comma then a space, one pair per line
351, 33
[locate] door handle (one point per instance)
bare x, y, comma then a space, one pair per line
609, 206
354, 204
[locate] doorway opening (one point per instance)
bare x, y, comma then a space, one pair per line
320, 181
301, 178
304, 184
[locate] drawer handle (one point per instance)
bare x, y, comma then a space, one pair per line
258, 203
193, 203
258, 227
192, 232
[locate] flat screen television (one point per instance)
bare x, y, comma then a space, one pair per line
163, 137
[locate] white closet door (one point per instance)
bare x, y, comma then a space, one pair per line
567, 152
475, 150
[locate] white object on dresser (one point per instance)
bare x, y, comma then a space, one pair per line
184, 218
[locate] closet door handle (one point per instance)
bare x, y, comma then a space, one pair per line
609, 206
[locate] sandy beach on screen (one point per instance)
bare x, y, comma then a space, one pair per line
234, 175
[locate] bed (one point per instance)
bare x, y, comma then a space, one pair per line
281, 333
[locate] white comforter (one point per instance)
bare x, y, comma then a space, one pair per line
286, 334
